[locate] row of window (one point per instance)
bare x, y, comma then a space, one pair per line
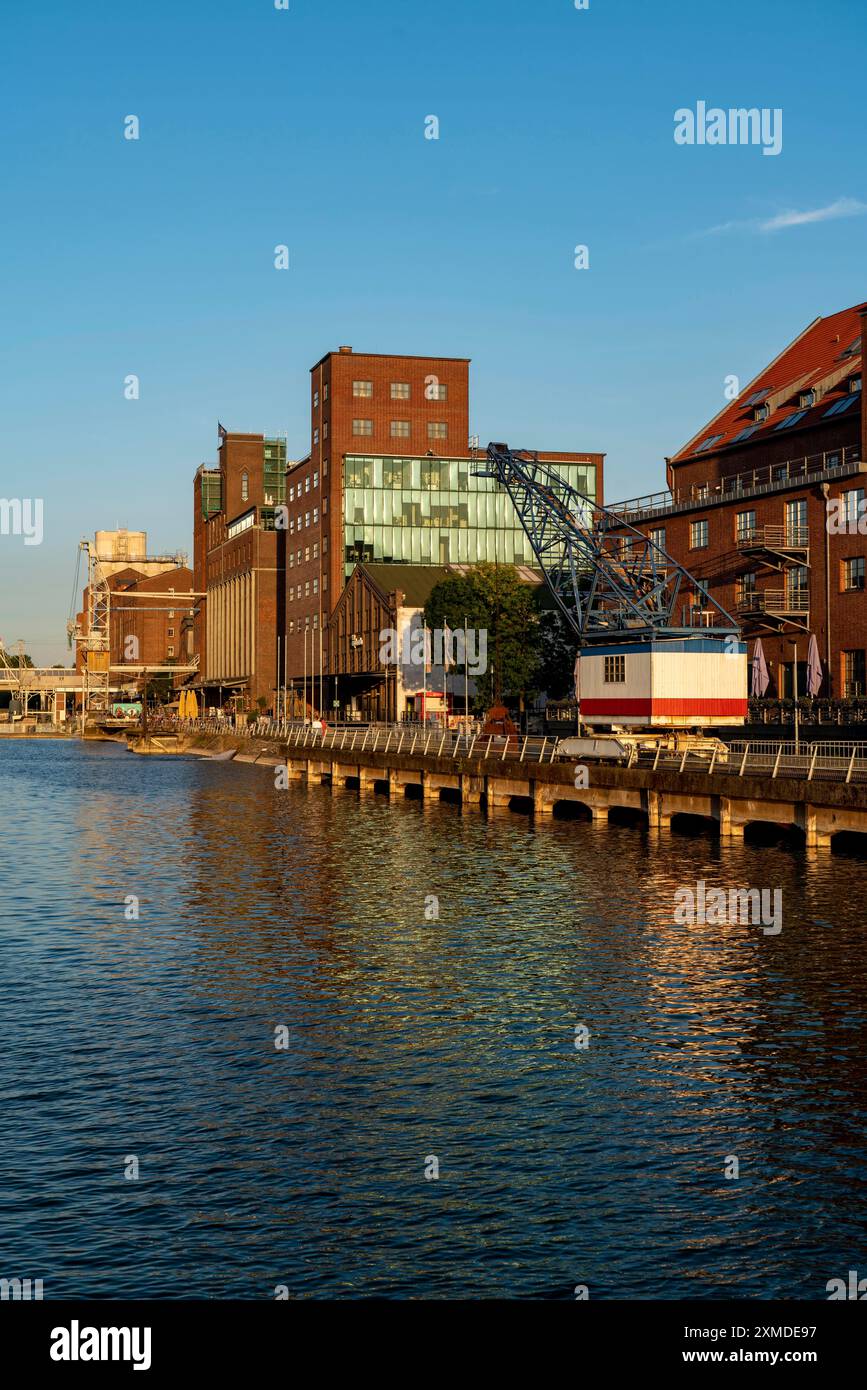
806, 401
306, 484
401, 429
293, 553
307, 624
304, 521
795, 522
400, 390
296, 593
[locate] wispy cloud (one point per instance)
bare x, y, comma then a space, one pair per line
791, 217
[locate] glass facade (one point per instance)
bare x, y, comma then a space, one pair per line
434, 511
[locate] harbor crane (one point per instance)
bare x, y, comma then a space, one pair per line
644, 661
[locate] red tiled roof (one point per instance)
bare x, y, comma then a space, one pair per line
817, 353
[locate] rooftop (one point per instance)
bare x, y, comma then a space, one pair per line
810, 379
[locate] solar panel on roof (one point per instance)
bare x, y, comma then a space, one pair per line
745, 434
706, 444
790, 420
758, 396
843, 404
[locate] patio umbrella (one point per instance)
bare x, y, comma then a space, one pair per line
760, 680
192, 705
182, 705
814, 666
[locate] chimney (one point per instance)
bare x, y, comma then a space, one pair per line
344, 349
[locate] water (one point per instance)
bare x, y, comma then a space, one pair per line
410, 1038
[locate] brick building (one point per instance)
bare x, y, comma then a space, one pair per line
389, 480
749, 499
148, 626
238, 564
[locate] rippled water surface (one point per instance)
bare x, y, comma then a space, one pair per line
409, 1038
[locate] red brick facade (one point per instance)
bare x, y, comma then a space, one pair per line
748, 504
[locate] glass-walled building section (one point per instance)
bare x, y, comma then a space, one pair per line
435, 511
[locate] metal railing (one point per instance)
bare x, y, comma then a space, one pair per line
775, 538
833, 463
774, 601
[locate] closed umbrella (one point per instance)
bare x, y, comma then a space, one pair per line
814, 667
192, 705
761, 679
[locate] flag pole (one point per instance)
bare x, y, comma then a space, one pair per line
466, 677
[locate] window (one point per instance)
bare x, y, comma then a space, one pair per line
291, 625
325, 504
362, 427
708, 443
745, 434
807, 399
855, 384
315, 516
315, 479
315, 399
325, 545
325, 392
325, 468
171, 612
306, 553
400, 429
798, 589
306, 518
245, 486
745, 526
761, 413
853, 505
307, 588
400, 390
757, 396
843, 404
746, 588
657, 536
171, 631
316, 586
291, 558
436, 391
315, 436
437, 429
853, 573
796, 522
315, 619
316, 550
307, 483
292, 493
790, 420
362, 388
299, 557
854, 672
698, 535
615, 670
170, 651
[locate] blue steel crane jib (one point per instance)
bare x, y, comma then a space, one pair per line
628, 597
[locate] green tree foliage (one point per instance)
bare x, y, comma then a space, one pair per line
492, 599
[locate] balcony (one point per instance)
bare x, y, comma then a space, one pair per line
757, 482
776, 546
775, 609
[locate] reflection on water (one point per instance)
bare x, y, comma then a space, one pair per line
410, 1038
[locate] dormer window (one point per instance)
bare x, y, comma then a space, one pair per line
854, 384
807, 399
708, 443
761, 412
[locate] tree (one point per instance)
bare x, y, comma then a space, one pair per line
557, 647
493, 601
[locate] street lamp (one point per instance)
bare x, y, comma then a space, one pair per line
794, 642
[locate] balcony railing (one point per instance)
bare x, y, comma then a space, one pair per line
833, 463
775, 538
793, 602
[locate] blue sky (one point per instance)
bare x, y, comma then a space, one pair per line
306, 127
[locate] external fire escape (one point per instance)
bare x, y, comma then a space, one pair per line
782, 551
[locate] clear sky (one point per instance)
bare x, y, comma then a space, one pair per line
306, 127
